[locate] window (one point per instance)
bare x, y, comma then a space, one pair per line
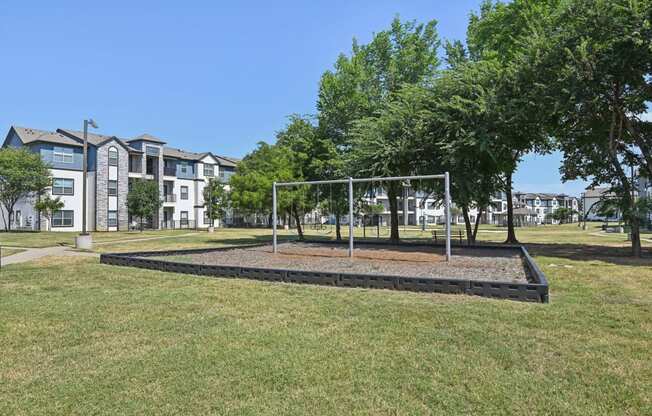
113, 156
62, 155
63, 186
63, 218
112, 219
183, 167
209, 170
113, 188
18, 218
184, 217
184, 192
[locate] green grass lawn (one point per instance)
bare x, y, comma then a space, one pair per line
55, 238
80, 337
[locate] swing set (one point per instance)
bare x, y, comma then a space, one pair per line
350, 181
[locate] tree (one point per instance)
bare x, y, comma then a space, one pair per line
143, 200
387, 145
46, 206
362, 85
216, 200
502, 34
596, 73
459, 138
563, 215
251, 186
22, 174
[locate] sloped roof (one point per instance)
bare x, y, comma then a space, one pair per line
96, 139
182, 154
146, 137
28, 135
75, 138
226, 161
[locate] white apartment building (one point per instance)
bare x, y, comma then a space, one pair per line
113, 164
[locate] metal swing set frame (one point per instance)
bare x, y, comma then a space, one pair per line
351, 181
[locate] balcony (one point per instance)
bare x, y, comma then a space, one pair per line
169, 198
170, 171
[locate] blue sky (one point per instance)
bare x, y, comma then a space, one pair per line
203, 75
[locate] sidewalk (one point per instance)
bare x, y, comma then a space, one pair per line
36, 253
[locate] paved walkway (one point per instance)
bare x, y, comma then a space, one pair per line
36, 253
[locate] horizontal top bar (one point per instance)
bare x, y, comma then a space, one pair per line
356, 180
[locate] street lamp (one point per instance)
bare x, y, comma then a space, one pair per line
85, 240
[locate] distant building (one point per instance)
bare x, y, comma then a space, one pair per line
113, 164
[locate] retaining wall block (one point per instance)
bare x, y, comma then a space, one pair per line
367, 281
263, 274
220, 271
317, 278
416, 284
505, 290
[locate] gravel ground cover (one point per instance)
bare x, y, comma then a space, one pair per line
428, 262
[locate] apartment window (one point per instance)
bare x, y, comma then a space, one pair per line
183, 167
184, 217
63, 186
112, 219
113, 188
113, 156
62, 155
63, 218
209, 170
184, 192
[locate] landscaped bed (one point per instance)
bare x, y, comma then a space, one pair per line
408, 261
490, 271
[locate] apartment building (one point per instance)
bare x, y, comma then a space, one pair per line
542, 205
113, 164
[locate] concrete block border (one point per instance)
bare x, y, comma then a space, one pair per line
536, 290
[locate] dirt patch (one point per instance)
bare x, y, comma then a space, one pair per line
428, 262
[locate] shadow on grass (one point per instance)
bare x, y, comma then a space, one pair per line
585, 252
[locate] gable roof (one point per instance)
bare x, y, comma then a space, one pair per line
96, 139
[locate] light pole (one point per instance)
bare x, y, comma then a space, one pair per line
85, 240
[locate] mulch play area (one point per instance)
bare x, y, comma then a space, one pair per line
409, 261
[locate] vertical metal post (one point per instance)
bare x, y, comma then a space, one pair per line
85, 173
448, 214
350, 217
274, 216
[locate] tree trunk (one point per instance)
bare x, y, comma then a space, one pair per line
393, 213
467, 224
297, 218
141, 224
338, 230
477, 225
511, 233
636, 236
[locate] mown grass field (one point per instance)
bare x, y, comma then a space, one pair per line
78, 337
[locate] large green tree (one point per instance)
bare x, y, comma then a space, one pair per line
596, 73
364, 85
501, 34
23, 174
459, 136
